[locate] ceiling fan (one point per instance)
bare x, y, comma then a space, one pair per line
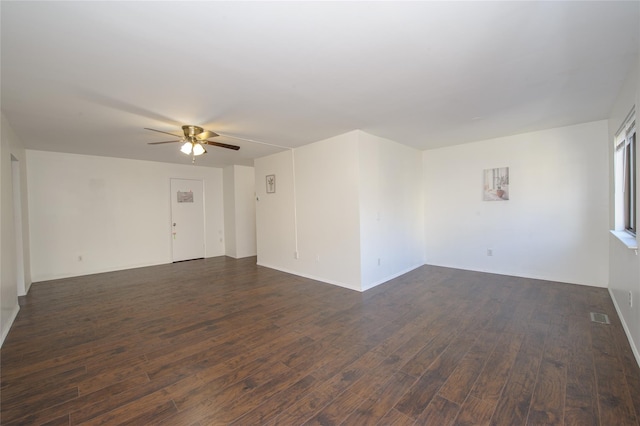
194, 139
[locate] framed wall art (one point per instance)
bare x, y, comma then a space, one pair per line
496, 184
271, 184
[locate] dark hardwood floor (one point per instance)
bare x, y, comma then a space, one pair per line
223, 341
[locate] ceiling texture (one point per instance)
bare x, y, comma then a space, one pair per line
88, 77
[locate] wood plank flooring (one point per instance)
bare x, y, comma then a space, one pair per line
223, 341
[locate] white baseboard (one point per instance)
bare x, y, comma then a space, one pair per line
324, 280
634, 348
533, 276
389, 278
340, 284
7, 326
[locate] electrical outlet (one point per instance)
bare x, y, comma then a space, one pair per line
80, 260
489, 252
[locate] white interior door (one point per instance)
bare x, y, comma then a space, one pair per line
187, 219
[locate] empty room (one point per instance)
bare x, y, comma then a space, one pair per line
319, 213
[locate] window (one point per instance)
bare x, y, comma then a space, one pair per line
630, 183
625, 176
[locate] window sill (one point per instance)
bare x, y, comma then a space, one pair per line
627, 239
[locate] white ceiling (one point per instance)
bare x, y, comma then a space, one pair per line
87, 77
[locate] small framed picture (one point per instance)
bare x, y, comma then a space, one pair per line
496, 184
271, 184
185, 197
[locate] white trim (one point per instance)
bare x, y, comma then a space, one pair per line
17, 223
7, 326
626, 121
58, 276
323, 280
340, 284
540, 277
634, 348
626, 238
390, 277
295, 200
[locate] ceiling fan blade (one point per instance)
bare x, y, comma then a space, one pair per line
221, 145
254, 141
166, 133
157, 143
206, 135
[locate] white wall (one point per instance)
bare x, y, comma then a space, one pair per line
555, 225
314, 211
624, 269
391, 209
327, 199
240, 211
15, 277
114, 213
342, 186
245, 206
229, 192
275, 213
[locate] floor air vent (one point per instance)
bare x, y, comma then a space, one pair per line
601, 318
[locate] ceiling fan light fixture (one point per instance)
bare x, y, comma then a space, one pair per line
186, 148
198, 149
194, 140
